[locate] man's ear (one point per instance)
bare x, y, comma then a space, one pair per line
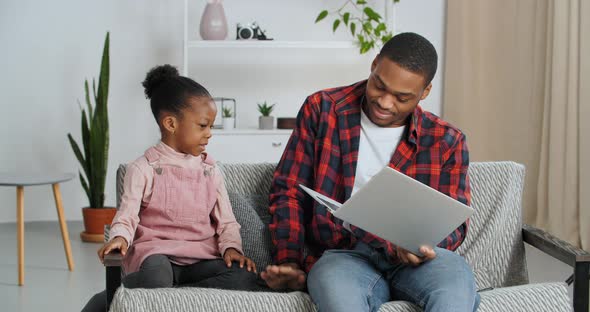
426, 91
169, 123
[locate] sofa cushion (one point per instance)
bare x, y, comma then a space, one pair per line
203, 299
251, 211
493, 246
549, 297
546, 297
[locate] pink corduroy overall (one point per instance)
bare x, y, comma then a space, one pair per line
176, 222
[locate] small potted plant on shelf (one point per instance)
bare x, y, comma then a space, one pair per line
93, 157
228, 118
266, 121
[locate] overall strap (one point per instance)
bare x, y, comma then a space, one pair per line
207, 159
151, 155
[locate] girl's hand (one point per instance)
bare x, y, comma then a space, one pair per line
118, 243
231, 254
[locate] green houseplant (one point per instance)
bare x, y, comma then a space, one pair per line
93, 157
365, 24
265, 121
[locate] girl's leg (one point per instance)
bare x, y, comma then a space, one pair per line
216, 274
155, 271
98, 303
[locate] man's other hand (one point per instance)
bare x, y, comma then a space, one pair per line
284, 276
409, 258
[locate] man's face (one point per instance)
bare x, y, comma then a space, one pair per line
392, 93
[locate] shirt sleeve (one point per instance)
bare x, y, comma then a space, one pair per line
127, 217
227, 229
286, 201
454, 182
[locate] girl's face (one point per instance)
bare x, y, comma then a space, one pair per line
192, 131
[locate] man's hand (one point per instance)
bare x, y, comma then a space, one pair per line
283, 276
117, 243
409, 258
231, 254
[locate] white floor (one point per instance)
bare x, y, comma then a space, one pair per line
49, 286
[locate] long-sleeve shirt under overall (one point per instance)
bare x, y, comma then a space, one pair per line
190, 218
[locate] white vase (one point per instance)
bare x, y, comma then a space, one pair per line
213, 22
228, 123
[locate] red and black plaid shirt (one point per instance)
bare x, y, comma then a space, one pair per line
322, 153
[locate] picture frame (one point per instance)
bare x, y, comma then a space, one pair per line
222, 102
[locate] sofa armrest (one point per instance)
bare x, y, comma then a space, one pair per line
113, 259
112, 263
553, 246
575, 257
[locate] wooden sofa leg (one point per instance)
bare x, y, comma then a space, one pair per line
113, 282
581, 289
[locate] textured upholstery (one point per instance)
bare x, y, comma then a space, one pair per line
550, 297
493, 248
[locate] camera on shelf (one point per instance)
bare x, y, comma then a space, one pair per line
250, 32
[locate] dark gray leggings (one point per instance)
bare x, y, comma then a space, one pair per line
157, 271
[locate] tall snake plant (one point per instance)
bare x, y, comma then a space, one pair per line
95, 135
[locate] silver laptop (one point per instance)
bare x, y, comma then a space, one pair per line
399, 209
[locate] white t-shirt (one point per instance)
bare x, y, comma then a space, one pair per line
376, 147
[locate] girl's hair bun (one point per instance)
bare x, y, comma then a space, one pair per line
156, 76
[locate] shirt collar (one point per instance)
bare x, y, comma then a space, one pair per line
350, 101
414, 129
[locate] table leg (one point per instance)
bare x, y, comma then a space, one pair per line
62, 224
20, 233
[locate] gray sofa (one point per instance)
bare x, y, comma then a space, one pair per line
494, 248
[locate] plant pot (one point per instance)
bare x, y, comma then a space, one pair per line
266, 122
94, 221
228, 123
213, 22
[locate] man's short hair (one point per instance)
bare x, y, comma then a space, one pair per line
412, 52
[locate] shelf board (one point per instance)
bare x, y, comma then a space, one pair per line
271, 44
250, 131
211, 53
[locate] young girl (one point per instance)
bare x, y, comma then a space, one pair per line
175, 225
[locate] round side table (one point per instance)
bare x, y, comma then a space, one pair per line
20, 181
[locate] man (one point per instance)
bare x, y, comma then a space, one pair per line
343, 137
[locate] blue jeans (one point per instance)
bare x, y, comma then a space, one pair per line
362, 279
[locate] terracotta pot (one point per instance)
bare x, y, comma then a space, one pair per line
94, 221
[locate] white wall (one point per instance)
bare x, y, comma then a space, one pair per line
49, 47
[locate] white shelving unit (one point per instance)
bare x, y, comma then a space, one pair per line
241, 51
252, 131
253, 145
269, 44
254, 52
